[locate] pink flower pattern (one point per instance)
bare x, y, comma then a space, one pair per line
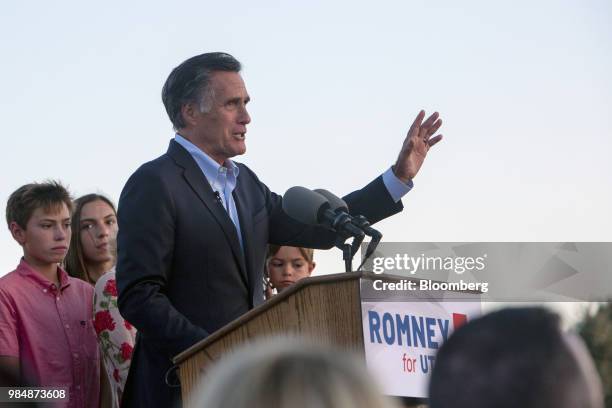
126, 351
115, 335
110, 288
103, 321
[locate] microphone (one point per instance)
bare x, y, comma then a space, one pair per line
312, 208
360, 221
338, 205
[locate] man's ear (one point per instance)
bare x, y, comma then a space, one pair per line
17, 232
190, 112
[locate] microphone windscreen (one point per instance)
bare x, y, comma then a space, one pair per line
335, 202
303, 204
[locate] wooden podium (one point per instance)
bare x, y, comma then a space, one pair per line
324, 309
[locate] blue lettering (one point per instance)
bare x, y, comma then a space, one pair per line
389, 333
417, 331
424, 364
427, 363
430, 322
412, 331
443, 325
374, 320
403, 328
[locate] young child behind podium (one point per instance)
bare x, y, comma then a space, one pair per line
286, 265
46, 331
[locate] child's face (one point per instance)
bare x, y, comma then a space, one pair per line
288, 266
98, 230
47, 235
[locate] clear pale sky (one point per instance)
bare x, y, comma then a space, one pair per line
524, 89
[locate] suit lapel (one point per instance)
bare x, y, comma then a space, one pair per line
246, 227
198, 183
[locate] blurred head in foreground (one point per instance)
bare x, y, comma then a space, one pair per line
287, 373
515, 357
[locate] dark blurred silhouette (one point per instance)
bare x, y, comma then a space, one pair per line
516, 357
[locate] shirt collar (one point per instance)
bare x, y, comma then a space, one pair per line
209, 167
25, 270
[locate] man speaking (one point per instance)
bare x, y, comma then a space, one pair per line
194, 225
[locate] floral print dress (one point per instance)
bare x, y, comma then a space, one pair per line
116, 336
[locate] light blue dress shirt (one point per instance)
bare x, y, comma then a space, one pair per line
223, 180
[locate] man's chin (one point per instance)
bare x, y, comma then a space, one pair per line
239, 151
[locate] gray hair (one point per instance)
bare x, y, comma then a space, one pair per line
189, 83
285, 373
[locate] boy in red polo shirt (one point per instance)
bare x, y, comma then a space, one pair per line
46, 332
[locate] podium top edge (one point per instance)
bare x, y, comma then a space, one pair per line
299, 285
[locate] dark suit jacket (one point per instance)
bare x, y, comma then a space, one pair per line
181, 272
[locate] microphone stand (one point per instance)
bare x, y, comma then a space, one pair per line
345, 228
376, 236
348, 250
341, 223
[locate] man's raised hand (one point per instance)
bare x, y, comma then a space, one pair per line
416, 145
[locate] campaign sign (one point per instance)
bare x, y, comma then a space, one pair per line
402, 337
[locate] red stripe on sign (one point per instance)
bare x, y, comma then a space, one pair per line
459, 319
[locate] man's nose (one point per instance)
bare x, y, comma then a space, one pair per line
244, 118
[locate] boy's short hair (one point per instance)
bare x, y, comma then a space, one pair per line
47, 195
